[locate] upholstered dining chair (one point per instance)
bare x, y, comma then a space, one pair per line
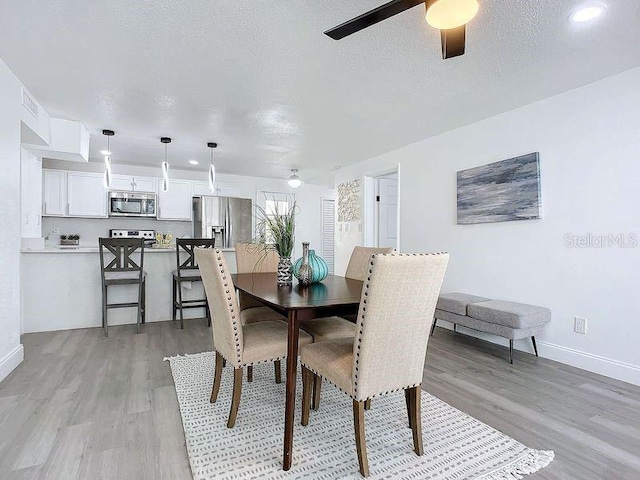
237, 344
252, 258
331, 328
388, 351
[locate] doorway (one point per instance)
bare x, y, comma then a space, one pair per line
381, 210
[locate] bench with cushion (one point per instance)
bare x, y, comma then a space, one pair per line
510, 320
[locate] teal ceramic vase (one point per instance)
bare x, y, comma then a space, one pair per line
318, 267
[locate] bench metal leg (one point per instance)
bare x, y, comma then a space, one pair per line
511, 351
535, 347
455, 328
433, 326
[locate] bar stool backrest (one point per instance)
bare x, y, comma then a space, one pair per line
119, 255
187, 246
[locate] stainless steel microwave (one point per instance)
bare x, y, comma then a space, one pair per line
130, 204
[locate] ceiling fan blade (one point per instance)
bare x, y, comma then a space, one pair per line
453, 42
371, 18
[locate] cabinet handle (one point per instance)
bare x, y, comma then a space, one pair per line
45, 208
67, 209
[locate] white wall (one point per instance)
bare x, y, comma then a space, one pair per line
30, 194
11, 353
590, 165
308, 196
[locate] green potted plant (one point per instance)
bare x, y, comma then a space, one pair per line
73, 239
276, 229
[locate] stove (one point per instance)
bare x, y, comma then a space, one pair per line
149, 236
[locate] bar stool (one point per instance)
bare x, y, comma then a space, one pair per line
187, 271
121, 269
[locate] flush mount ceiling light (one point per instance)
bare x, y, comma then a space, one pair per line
193, 162
107, 159
588, 12
449, 16
165, 165
294, 180
212, 168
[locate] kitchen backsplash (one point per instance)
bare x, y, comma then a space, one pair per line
90, 229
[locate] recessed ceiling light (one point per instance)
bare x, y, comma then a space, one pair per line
193, 162
588, 12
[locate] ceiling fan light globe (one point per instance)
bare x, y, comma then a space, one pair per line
294, 182
448, 14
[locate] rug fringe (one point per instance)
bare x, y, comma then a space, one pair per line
533, 461
188, 355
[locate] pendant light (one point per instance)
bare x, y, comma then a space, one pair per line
294, 180
107, 159
165, 165
212, 168
448, 14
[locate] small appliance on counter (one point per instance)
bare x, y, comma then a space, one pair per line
149, 236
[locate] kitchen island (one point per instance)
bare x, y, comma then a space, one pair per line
60, 289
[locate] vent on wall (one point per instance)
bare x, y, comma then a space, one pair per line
29, 102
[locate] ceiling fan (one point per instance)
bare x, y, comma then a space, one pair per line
449, 16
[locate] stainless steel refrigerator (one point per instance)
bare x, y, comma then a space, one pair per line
227, 219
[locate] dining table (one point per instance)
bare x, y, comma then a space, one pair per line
335, 295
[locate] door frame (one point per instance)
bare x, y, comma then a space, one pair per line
370, 208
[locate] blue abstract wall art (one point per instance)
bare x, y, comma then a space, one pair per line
500, 192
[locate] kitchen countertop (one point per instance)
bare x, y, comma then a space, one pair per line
86, 249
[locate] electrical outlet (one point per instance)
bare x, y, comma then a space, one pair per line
580, 325
56, 230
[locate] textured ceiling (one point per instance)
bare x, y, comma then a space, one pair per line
261, 79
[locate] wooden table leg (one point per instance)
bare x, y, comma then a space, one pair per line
293, 333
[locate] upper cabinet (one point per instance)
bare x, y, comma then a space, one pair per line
176, 203
133, 184
86, 195
73, 194
54, 193
201, 189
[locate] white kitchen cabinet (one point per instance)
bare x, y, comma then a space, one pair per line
86, 195
130, 183
220, 190
176, 203
54, 193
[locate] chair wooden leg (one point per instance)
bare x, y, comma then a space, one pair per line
407, 399
361, 445
144, 301
250, 373
173, 300
277, 366
416, 420
367, 404
104, 311
139, 317
317, 387
511, 351
307, 387
235, 400
433, 327
217, 377
180, 305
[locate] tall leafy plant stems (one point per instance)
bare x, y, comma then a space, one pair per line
276, 228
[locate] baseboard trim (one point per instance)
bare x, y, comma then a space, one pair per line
590, 362
11, 361
608, 367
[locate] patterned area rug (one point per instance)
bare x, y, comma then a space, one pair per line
456, 446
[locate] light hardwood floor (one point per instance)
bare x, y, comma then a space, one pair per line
85, 406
